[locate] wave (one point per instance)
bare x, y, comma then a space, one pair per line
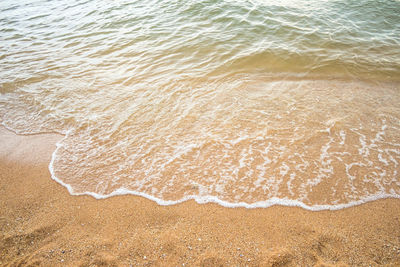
242, 103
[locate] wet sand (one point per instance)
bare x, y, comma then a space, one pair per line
41, 224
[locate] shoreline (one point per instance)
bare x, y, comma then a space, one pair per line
43, 224
202, 199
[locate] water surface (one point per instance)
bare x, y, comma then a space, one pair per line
244, 103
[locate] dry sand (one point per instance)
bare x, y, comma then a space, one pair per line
41, 224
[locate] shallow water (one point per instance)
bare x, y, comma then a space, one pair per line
248, 103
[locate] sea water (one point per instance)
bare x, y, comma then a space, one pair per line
243, 103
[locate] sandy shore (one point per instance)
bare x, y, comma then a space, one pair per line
41, 224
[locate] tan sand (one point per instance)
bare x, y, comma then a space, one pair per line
41, 224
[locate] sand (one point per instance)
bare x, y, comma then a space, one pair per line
42, 224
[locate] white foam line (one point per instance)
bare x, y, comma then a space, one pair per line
212, 199
209, 199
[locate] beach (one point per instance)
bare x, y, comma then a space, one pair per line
200, 133
43, 225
